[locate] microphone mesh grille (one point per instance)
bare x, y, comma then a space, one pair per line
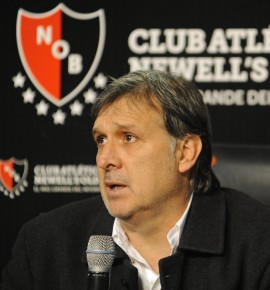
100, 262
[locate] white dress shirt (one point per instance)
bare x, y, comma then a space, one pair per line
148, 278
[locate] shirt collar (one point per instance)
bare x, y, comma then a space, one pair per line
173, 235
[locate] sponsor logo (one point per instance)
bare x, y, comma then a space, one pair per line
68, 178
13, 173
60, 51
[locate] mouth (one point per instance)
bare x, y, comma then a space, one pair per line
114, 185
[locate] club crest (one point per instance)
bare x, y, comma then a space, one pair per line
60, 50
13, 173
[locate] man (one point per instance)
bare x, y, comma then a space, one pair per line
173, 226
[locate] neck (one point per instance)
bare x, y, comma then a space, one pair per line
149, 237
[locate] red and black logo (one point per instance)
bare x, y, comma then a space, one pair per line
13, 175
60, 51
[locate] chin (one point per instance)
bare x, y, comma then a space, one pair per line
121, 214
117, 207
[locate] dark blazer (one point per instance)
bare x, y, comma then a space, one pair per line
225, 245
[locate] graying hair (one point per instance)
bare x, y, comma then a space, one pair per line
183, 109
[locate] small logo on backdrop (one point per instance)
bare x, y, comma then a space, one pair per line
67, 178
60, 51
13, 173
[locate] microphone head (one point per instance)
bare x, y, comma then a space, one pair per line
100, 253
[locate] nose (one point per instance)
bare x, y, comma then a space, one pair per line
108, 156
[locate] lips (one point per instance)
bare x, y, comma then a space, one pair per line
112, 185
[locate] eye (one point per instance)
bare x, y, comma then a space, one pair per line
100, 140
129, 138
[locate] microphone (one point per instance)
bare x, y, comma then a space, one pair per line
100, 254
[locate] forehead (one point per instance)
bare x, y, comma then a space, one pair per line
130, 111
139, 100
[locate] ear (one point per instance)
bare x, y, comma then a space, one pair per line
189, 150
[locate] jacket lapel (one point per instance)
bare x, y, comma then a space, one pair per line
204, 231
123, 274
171, 269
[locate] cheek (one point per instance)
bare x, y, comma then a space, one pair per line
151, 171
165, 168
164, 160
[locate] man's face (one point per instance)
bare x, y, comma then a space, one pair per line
137, 166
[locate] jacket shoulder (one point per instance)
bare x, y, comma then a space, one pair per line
74, 210
246, 213
243, 201
73, 218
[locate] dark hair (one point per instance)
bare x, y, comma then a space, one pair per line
184, 113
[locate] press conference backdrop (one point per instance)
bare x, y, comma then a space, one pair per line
56, 57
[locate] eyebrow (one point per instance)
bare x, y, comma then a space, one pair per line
127, 127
